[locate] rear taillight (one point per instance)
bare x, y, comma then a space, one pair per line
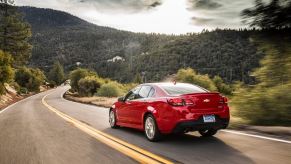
223, 100
180, 102
188, 102
176, 102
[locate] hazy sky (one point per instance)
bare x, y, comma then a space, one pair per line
162, 16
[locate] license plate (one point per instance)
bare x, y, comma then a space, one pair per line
208, 118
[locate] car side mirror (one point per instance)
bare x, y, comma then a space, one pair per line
121, 99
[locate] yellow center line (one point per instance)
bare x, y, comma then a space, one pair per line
137, 153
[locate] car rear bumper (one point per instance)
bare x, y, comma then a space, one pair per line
195, 125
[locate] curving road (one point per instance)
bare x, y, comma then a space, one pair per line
31, 133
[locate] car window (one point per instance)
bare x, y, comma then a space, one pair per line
131, 95
182, 89
152, 92
144, 91
136, 89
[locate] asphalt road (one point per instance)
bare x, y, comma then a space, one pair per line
30, 133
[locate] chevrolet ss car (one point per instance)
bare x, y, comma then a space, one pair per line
165, 108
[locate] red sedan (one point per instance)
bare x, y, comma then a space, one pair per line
164, 108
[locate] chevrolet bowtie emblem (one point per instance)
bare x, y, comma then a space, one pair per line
206, 100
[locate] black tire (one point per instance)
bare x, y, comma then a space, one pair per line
113, 115
208, 132
155, 133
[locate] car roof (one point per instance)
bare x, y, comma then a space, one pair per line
168, 84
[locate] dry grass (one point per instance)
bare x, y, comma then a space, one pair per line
95, 100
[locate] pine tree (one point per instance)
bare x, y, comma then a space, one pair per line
57, 74
273, 15
14, 34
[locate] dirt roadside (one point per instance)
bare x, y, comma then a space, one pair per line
98, 101
9, 99
11, 96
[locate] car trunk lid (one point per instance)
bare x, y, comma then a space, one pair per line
205, 101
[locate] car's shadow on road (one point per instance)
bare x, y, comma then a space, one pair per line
185, 148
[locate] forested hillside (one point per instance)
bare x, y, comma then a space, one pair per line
227, 53
68, 39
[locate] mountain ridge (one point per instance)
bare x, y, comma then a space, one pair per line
58, 35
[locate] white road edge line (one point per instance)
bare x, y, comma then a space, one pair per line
3, 110
256, 136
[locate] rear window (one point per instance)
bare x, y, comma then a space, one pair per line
181, 89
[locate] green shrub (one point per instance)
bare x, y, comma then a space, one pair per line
23, 90
111, 89
264, 106
51, 84
221, 86
30, 78
190, 76
6, 71
78, 74
88, 86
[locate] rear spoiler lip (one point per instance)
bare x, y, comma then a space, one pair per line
203, 93
183, 95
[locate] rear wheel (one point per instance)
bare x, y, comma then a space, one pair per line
112, 119
208, 132
151, 129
